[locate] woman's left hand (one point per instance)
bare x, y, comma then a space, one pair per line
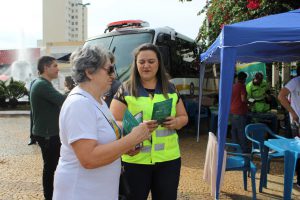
170, 123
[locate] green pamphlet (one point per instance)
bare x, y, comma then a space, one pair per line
139, 117
130, 121
162, 110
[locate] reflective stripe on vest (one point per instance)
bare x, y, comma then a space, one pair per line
159, 147
164, 132
146, 149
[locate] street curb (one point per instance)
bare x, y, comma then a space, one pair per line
14, 113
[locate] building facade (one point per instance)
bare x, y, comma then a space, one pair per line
64, 21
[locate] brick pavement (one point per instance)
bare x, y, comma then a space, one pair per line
20, 164
21, 168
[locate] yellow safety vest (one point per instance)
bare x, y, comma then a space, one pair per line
164, 145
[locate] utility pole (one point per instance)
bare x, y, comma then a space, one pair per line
83, 6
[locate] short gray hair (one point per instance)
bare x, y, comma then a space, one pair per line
88, 57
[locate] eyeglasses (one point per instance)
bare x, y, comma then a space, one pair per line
111, 70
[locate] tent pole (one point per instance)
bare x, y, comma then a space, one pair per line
228, 61
201, 78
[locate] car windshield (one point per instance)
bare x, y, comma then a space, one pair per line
122, 47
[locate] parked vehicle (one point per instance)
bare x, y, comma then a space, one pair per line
180, 53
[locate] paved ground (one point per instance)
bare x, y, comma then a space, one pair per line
21, 165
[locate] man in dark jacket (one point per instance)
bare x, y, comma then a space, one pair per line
32, 140
45, 103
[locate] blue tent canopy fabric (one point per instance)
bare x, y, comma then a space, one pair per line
274, 38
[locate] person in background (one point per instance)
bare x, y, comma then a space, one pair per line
69, 84
45, 103
32, 140
90, 165
289, 97
258, 94
108, 96
238, 111
156, 165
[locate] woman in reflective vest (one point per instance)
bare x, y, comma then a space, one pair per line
155, 166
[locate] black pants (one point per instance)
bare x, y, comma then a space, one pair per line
162, 179
50, 152
32, 137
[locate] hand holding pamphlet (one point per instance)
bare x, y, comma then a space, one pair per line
162, 110
130, 121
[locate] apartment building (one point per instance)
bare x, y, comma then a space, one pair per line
64, 21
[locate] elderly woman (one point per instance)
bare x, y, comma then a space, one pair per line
89, 166
156, 165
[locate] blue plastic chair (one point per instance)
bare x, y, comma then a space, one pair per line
193, 111
237, 161
191, 108
258, 133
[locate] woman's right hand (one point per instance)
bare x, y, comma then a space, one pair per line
152, 125
140, 133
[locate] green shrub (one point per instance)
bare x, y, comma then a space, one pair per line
3, 90
16, 89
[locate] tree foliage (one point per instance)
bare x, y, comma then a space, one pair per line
222, 12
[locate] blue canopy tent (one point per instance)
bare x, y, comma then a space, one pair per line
274, 38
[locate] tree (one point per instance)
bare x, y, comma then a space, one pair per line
222, 12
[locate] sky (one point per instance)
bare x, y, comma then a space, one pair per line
21, 21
